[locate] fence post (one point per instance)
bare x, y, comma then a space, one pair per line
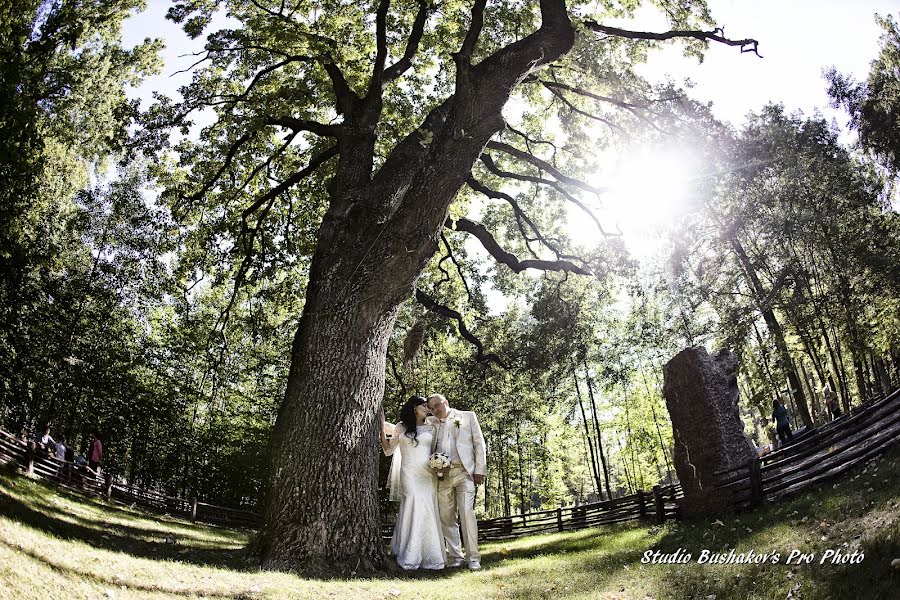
108, 484
194, 510
29, 458
658, 504
642, 504
756, 491
559, 525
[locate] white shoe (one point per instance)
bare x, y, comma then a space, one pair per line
474, 565
455, 563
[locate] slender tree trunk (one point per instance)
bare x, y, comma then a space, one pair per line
628, 479
522, 507
590, 388
598, 487
635, 471
662, 445
774, 328
507, 504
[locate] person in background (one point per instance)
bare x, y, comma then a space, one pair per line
45, 443
782, 422
831, 401
46, 440
95, 451
60, 456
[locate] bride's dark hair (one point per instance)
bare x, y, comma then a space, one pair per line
408, 416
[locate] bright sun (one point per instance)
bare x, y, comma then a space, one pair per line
646, 189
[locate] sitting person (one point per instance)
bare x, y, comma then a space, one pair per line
45, 443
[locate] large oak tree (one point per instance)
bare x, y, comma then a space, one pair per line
368, 119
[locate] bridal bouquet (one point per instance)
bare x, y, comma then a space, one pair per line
439, 462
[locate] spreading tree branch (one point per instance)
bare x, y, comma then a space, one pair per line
717, 35
458, 267
380, 48
545, 166
229, 157
412, 45
521, 215
494, 249
492, 167
296, 124
445, 311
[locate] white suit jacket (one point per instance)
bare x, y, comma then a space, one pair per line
468, 438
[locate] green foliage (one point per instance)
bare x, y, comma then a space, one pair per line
874, 105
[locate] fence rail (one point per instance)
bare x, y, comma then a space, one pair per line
820, 455
658, 506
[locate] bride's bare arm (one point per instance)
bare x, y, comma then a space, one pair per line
388, 445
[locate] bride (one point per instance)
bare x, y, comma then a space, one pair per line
417, 542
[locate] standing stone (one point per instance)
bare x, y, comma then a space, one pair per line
701, 394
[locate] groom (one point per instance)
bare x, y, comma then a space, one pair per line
459, 437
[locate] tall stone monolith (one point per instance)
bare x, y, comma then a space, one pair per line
701, 394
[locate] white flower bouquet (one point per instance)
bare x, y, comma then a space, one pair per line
439, 462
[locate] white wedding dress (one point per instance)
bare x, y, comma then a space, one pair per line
417, 542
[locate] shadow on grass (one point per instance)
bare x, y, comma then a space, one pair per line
77, 575
37, 492
117, 538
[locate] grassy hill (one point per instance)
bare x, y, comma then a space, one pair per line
59, 545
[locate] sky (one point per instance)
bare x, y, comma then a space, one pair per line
798, 40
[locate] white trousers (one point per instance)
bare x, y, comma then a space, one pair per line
456, 495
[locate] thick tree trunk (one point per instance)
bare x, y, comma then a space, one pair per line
322, 502
376, 238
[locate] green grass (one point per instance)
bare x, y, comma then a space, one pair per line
54, 544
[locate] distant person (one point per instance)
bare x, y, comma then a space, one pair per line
831, 401
782, 422
60, 456
45, 443
95, 451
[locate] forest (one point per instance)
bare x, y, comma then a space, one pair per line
173, 274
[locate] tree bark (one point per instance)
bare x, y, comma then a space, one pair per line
379, 232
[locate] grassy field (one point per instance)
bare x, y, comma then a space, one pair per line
58, 545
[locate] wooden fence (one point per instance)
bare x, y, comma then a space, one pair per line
82, 479
820, 455
656, 506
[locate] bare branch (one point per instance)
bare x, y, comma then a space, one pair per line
296, 124
412, 45
521, 215
635, 109
490, 244
584, 113
717, 35
229, 156
489, 163
545, 166
445, 311
380, 47
458, 267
